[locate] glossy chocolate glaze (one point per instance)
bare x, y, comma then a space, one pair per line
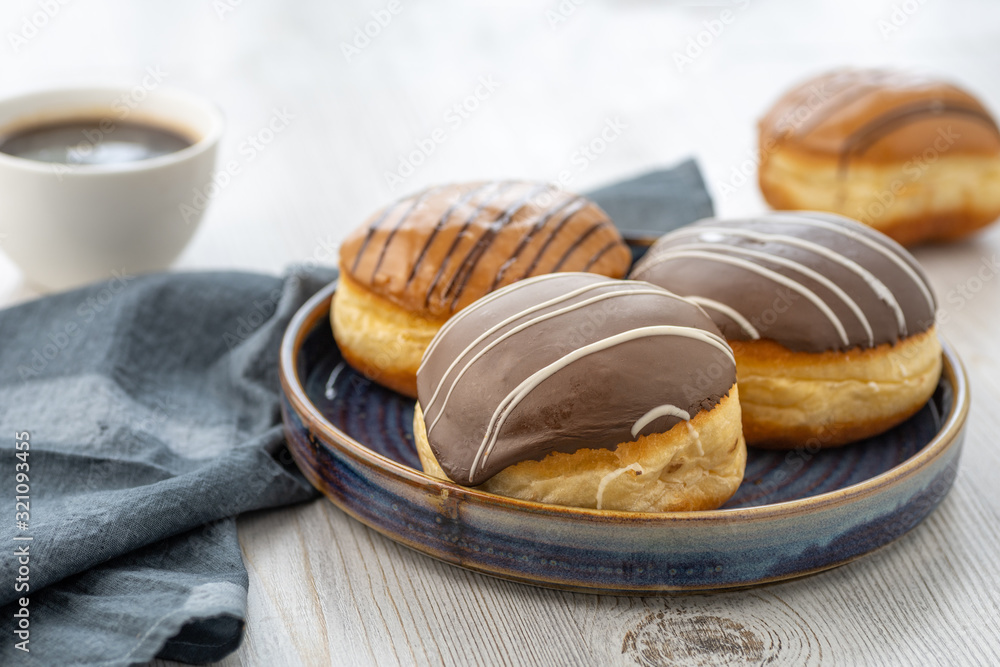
809, 281
880, 116
565, 362
439, 250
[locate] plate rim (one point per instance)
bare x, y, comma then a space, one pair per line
318, 307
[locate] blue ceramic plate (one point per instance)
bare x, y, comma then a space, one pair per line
796, 512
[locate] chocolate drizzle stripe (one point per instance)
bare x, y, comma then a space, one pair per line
522, 327
780, 261
465, 198
860, 90
500, 189
760, 270
729, 312
862, 238
816, 119
657, 412
600, 253
863, 138
482, 244
883, 293
514, 398
462, 314
537, 227
403, 218
568, 214
374, 226
579, 242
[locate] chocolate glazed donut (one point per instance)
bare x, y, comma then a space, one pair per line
441, 249
831, 322
915, 157
577, 390
427, 256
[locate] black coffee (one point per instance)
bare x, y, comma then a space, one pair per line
96, 141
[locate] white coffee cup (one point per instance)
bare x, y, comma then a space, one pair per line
66, 225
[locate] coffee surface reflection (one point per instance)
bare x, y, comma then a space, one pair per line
92, 142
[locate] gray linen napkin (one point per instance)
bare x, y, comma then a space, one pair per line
657, 202
151, 405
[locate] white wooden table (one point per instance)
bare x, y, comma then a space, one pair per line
325, 589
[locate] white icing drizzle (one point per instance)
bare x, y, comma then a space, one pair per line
883, 293
732, 313
788, 263
514, 398
492, 296
860, 237
330, 390
652, 291
611, 476
693, 432
666, 410
512, 318
758, 269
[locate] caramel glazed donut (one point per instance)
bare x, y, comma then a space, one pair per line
916, 158
576, 390
427, 256
832, 323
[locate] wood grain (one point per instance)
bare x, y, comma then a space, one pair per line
325, 589
358, 594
